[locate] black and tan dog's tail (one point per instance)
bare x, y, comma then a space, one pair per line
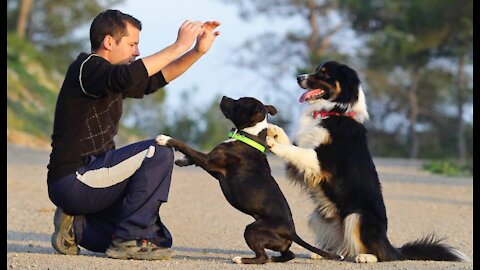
429, 248
321, 252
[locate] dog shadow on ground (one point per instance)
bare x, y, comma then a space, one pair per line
215, 254
207, 254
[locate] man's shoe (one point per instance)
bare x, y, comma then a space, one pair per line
63, 238
137, 250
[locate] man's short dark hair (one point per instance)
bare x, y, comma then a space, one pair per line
110, 22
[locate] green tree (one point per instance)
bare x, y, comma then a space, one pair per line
405, 38
458, 48
51, 24
279, 57
213, 127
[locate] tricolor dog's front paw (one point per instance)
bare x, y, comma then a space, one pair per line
272, 145
270, 141
366, 258
276, 148
162, 139
278, 134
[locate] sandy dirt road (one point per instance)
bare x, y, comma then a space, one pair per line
208, 232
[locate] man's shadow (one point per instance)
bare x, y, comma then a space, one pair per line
39, 243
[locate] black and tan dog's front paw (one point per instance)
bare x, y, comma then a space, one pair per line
183, 162
163, 139
237, 260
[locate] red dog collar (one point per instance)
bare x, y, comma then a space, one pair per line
324, 114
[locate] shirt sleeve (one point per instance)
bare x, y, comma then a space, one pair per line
98, 77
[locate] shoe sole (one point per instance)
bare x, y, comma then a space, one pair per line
58, 246
56, 239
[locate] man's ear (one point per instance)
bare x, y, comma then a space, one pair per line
271, 110
108, 42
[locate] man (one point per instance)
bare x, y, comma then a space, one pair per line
108, 199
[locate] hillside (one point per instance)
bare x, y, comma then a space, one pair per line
32, 87
33, 83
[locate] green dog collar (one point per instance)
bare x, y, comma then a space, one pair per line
244, 139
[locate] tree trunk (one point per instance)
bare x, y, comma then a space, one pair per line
23, 16
312, 21
413, 115
461, 86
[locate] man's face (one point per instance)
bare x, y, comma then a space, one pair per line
126, 50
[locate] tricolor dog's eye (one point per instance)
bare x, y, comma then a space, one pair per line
323, 72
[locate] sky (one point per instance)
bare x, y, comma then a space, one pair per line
215, 73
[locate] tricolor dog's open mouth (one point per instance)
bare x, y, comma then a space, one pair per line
311, 95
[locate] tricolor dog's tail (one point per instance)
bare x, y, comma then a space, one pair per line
429, 248
321, 252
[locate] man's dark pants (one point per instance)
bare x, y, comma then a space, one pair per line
118, 194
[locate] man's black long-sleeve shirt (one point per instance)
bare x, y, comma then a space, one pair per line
89, 107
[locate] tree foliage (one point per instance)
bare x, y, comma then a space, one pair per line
54, 25
410, 63
405, 39
274, 55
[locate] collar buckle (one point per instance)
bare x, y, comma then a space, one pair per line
235, 135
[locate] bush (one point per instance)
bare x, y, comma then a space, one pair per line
449, 168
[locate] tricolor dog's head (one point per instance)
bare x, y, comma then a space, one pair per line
334, 86
246, 112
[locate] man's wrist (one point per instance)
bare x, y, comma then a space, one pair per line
179, 49
196, 52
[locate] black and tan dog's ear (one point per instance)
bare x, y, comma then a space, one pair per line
271, 110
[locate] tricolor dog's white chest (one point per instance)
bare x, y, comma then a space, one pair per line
310, 134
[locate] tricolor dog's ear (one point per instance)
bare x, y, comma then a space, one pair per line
271, 110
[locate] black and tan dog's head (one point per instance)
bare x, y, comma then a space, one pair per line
331, 81
245, 112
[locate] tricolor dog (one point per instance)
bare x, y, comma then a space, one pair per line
331, 160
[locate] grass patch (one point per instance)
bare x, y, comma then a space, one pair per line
449, 167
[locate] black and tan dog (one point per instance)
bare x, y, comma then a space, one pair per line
330, 159
244, 175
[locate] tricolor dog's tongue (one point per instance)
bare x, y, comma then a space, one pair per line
309, 94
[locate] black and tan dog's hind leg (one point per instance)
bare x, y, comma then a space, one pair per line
261, 235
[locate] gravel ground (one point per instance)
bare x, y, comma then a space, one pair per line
208, 232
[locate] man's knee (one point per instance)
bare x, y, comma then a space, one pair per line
163, 154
